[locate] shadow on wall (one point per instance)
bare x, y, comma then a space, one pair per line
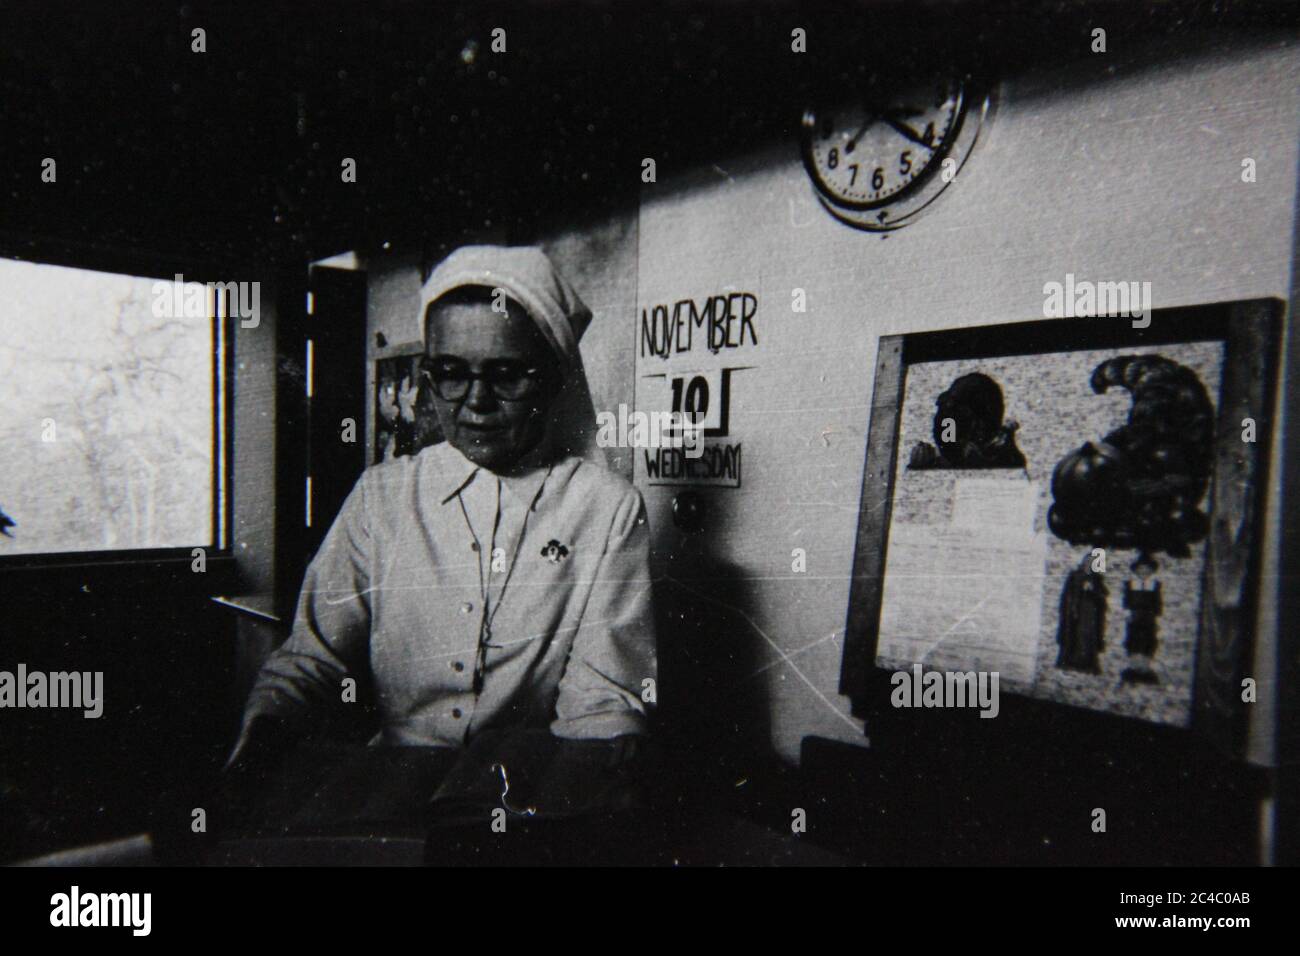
713, 709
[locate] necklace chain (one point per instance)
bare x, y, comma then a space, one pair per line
489, 610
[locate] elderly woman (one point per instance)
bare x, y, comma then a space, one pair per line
496, 580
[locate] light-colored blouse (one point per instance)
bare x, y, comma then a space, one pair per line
398, 586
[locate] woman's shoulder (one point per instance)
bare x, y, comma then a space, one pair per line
597, 479
601, 490
428, 464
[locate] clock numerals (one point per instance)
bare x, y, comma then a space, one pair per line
881, 155
876, 130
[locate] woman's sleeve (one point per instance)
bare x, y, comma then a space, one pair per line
331, 628
613, 654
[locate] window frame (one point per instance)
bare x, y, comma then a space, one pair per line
169, 568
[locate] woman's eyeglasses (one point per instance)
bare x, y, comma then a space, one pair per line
507, 379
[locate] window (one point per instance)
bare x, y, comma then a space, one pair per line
111, 414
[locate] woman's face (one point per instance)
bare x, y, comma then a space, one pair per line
497, 420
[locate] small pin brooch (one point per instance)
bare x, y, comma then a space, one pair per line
555, 552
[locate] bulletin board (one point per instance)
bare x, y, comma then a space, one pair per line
1074, 504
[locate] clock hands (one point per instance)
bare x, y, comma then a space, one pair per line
908, 132
893, 118
866, 124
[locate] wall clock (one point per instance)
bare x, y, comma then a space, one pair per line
879, 161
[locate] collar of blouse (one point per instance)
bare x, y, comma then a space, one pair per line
522, 481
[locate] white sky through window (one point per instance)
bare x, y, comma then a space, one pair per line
106, 414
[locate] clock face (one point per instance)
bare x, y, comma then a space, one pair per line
869, 154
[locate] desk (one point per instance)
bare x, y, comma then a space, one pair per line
370, 806
634, 839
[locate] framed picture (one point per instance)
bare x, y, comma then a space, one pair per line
404, 417
1073, 504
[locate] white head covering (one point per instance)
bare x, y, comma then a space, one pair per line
527, 275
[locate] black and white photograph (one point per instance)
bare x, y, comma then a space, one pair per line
701, 434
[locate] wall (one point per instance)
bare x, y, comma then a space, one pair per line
1134, 176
